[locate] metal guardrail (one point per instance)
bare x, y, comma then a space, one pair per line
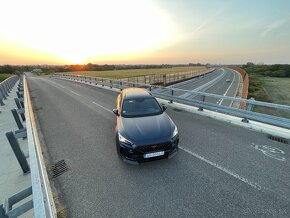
43, 202
199, 99
167, 79
6, 87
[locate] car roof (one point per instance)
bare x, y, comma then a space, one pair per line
131, 93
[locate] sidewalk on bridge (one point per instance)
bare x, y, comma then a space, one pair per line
12, 179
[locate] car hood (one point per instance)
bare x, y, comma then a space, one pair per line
146, 130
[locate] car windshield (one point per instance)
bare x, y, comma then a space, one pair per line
140, 107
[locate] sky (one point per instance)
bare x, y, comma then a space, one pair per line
144, 31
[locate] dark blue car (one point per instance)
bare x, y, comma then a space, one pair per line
144, 131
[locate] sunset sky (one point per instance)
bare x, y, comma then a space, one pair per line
144, 31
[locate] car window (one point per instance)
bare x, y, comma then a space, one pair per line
140, 107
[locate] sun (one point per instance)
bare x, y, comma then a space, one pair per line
75, 58
90, 28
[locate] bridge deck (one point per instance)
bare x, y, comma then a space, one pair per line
221, 170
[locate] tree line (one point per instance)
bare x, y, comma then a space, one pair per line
16, 69
275, 70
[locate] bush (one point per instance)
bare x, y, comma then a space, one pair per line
3, 77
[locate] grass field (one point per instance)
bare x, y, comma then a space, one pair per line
271, 89
4, 76
277, 89
117, 74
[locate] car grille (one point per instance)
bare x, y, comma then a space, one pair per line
154, 147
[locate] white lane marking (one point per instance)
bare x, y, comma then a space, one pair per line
102, 106
62, 86
235, 175
270, 151
74, 93
57, 85
228, 88
204, 86
209, 84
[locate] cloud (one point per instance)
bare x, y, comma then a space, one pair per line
208, 20
274, 25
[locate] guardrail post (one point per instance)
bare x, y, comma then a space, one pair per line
17, 120
202, 99
7, 210
1, 99
7, 86
111, 84
19, 107
21, 102
250, 104
17, 102
20, 88
3, 90
121, 85
18, 152
19, 196
19, 94
250, 107
2, 212
21, 133
172, 93
9, 83
164, 80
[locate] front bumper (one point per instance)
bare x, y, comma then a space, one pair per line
136, 155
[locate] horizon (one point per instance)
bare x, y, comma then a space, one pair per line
173, 64
144, 32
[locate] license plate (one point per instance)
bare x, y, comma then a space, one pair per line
155, 154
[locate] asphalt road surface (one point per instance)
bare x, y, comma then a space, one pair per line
221, 170
222, 81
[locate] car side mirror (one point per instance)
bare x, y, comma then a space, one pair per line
164, 107
115, 111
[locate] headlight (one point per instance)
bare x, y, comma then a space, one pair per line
175, 132
124, 140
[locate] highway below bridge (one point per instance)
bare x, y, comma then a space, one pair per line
221, 170
222, 81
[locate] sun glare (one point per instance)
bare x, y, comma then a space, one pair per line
78, 31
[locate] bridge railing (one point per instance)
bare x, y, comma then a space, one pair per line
6, 87
167, 79
275, 114
43, 202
